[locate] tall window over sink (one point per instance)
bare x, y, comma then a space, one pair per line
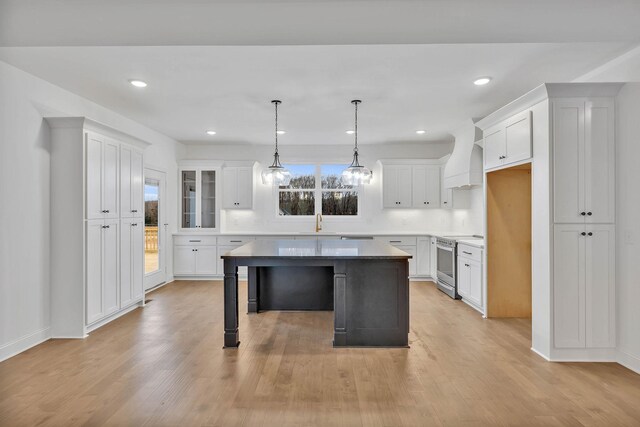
317, 188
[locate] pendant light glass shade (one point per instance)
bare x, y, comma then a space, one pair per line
356, 174
276, 174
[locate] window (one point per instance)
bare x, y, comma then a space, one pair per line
317, 189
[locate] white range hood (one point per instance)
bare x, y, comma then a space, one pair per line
464, 167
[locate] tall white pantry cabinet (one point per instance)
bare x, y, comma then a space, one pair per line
97, 225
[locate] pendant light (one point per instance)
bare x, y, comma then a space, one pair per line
356, 174
276, 174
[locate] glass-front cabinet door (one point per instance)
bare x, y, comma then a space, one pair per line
208, 199
198, 207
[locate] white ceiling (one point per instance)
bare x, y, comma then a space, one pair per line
319, 22
403, 87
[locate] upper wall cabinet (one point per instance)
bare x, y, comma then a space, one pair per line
102, 156
584, 164
199, 189
131, 182
237, 187
396, 186
426, 186
508, 142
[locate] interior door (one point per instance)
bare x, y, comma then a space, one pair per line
155, 227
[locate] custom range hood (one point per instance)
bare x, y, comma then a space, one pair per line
464, 167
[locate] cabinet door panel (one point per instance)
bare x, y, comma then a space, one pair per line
423, 261
206, 262
518, 138
229, 187
434, 258
94, 177
125, 182
188, 193
208, 199
390, 187
126, 261
137, 184
184, 260
463, 278
475, 282
433, 186
494, 148
110, 270
110, 179
419, 184
94, 271
568, 161
446, 194
600, 286
404, 186
244, 187
569, 286
599, 172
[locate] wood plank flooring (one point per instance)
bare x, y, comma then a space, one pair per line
164, 366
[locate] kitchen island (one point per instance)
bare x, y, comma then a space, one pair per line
364, 282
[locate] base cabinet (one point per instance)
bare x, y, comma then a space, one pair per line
469, 276
423, 256
584, 286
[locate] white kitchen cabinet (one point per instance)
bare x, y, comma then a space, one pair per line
237, 187
195, 260
102, 158
411, 250
102, 269
584, 286
584, 161
508, 142
397, 186
426, 186
423, 256
199, 189
184, 261
97, 261
469, 275
131, 183
206, 262
131, 261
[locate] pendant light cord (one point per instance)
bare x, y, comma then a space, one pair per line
355, 162
276, 156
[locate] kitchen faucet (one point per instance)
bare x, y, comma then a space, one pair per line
318, 222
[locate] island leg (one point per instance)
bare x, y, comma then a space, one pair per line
339, 304
231, 337
253, 286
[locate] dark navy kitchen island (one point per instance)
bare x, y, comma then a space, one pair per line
365, 283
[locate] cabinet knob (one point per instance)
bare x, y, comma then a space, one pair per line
589, 234
134, 224
583, 213
583, 233
134, 210
589, 213
466, 265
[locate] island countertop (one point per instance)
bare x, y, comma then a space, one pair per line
317, 249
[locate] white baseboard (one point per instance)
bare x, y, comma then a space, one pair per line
133, 306
540, 354
583, 355
155, 288
629, 361
24, 343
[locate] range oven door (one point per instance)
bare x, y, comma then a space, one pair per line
446, 270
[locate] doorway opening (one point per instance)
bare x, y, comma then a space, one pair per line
509, 242
154, 228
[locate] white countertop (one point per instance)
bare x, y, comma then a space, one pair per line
322, 233
478, 243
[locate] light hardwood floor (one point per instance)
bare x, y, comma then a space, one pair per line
164, 366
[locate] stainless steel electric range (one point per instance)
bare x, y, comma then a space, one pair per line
447, 253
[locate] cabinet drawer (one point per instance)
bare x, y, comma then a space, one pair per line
470, 252
398, 240
234, 240
194, 240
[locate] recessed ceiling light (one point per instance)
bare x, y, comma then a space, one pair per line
420, 132
138, 83
280, 132
211, 132
482, 81
351, 132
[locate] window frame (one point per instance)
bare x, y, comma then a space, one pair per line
317, 191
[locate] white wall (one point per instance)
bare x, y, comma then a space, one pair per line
25, 196
372, 219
